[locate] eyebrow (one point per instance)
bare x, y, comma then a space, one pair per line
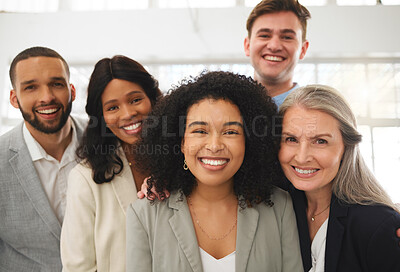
114, 100
313, 137
283, 31
202, 123
34, 80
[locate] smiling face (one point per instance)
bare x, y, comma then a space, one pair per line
311, 149
214, 142
125, 106
275, 46
42, 93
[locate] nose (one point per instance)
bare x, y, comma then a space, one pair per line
214, 143
274, 44
303, 153
128, 111
46, 95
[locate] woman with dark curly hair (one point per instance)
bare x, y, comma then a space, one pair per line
210, 143
121, 94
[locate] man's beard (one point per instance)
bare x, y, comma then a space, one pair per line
40, 126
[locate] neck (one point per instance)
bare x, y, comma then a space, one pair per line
275, 88
317, 201
55, 143
214, 194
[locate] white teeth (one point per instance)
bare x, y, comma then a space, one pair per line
214, 162
301, 171
49, 111
273, 58
133, 126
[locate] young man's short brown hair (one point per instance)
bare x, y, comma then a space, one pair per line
272, 6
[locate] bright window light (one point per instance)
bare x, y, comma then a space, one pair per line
196, 3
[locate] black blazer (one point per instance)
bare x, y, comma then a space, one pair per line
359, 238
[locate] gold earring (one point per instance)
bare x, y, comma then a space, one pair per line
185, 167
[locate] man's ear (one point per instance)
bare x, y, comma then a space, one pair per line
14, 99
73, 92
247, 46
304, 48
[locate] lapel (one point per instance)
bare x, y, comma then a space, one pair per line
246, 229
300, 207
25, 172
335, 233
182, 227
124, 185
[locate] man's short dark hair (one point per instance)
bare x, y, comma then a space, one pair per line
37, 51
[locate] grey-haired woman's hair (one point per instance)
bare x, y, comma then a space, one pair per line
354, 182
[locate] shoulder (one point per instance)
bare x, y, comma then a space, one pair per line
80, 122
281, 200
372, 217
80, 177
80, 125
157, 210
15, 134
282, 205
81, 169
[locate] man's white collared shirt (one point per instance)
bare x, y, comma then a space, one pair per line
53, 174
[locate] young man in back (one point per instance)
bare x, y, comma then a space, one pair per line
275, 42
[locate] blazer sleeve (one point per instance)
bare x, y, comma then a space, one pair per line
383, 253
291, 257
77, 234
138, 252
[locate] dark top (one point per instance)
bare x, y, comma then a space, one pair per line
359, 238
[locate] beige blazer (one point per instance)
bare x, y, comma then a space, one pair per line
93, 233
161, 237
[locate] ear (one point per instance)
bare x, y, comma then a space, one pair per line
304, 48
14, 99
247, 46
182, 144
73, 91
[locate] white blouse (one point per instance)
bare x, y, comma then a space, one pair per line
210, 264
318, 249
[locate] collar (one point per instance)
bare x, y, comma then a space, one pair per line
281, 97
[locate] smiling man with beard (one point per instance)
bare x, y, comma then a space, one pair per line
35, 159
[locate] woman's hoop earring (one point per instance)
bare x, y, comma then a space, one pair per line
185, 167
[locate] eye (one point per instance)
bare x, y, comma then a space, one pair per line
290, 140
136, 100
112, 108
30, 87
264, 36
231, 132
321, 141
199, 131
287, 38
58, 84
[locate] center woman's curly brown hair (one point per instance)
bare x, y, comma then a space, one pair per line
160, 149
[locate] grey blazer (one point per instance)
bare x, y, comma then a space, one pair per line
161, 237
29, 229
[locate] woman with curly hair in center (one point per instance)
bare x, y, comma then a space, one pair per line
210, 143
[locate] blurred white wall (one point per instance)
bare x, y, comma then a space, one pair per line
201, 35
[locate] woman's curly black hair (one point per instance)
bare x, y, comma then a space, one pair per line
99, 146
160, 149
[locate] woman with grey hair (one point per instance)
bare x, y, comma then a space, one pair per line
346, 220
